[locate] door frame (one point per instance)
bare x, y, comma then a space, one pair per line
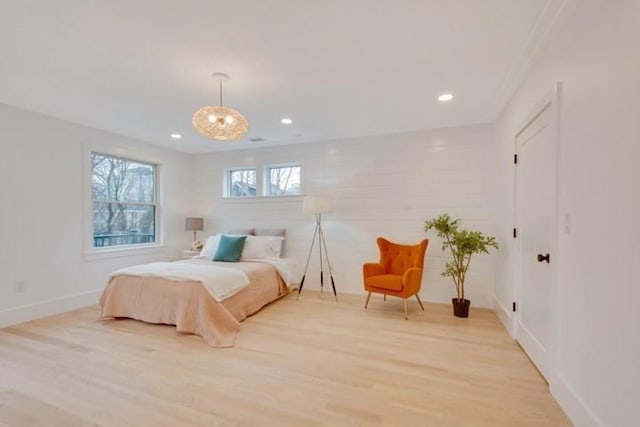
551, 102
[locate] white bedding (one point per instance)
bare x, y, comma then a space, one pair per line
285, 267
220, 282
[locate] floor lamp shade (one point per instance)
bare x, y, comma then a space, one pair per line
316, 205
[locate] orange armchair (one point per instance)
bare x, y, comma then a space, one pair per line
399, 272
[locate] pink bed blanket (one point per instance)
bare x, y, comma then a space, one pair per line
189, 306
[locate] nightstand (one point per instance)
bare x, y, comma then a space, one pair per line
189, 253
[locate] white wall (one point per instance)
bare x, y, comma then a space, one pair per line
380, 186
41, 221
596, 59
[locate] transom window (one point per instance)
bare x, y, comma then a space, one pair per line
283, 180
241, 182
123, 195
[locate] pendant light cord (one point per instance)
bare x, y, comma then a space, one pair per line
221, 92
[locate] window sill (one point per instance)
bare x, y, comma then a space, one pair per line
123, 252
262, 199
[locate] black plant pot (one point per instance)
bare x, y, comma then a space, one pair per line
460, 307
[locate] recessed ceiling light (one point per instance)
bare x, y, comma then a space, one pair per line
176, 136
445, 97
286, 121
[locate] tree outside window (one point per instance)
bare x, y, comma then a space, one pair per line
123, 194
242, 182
283, 180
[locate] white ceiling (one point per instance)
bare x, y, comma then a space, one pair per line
338, 68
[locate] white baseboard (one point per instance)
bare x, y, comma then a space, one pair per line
504, 314
575, 408
38, 310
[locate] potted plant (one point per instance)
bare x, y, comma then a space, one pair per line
462, 244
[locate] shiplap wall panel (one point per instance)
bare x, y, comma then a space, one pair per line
379, 186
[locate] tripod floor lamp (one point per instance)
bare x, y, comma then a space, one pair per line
318, 205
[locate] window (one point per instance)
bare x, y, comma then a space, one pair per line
123, 196
277, 180
283, 180
241, 182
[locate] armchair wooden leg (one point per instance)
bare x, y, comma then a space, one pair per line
385, 297
367, 301
406, 316
420, 302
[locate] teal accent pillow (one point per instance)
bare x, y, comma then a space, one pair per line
229, 248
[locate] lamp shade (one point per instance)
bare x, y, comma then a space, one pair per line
194, 224
316, 205
220, 123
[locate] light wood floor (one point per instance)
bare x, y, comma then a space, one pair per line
296, 363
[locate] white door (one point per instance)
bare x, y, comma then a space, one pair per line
536, 228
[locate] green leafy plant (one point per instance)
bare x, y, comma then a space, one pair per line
462, 244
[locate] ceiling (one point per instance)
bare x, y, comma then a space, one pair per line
338, 68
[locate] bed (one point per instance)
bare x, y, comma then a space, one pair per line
189, 301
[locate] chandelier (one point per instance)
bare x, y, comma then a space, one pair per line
220, 123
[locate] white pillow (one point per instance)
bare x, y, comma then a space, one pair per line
209, 248
260, 247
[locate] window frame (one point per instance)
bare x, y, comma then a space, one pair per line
267, 179
226, 191
95, 252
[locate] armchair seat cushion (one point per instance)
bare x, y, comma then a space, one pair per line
392, 282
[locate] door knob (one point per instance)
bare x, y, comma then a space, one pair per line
542, 258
